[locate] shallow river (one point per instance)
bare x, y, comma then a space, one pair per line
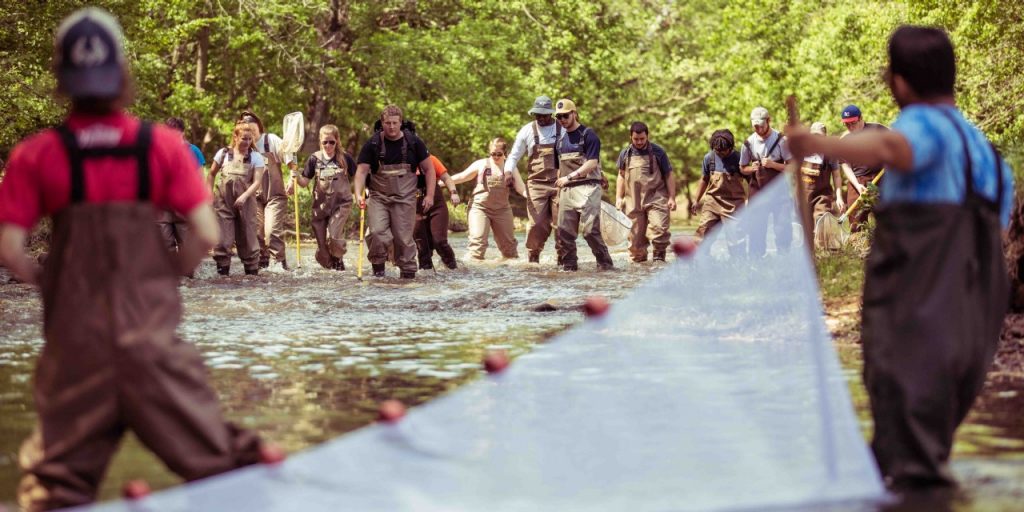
307, 355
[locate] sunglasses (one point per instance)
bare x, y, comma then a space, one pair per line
562, 116
328, 142
497, 154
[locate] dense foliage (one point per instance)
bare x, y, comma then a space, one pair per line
467, 71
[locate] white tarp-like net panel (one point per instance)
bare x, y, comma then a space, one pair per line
713, 387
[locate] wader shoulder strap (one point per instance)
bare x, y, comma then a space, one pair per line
67, 138
78, 155
778, 139
266, 143
536, 136
750, 150
142, 143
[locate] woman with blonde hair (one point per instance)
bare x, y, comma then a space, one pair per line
491, 210
235, 202
332, 170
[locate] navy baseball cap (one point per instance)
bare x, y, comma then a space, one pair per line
89, 53
851, 114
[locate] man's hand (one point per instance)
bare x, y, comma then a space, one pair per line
240, 202
289, 187
861, 189
454, 195
672, 204
362, 203
619, 203
561, 182
510, 180
604, 181
428, 202
695, 208
840, 204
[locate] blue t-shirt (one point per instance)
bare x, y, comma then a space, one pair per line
583, 140
200, 159
659, 154
729, 164
939, 158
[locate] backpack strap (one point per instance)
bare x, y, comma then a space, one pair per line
142, 143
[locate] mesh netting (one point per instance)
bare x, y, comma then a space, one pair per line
713, 387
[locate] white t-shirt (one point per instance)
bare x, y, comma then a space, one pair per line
274, 143
255, 158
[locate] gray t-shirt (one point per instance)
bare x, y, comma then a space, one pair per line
779, 152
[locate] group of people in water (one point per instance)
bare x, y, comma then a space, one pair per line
399, 183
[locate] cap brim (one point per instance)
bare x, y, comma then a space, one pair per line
96, 82
758, 122
851, 119
542, 111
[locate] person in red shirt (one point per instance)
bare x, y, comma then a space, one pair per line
431, 229
112, 360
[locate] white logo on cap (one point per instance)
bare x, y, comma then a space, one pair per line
89, 52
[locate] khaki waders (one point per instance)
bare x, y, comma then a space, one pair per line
646, 204
237, 225
724, 195
935, 293
112, 361
332, 204
818, 184
391, 212
542, 195
491, 212
271, 209
579, 209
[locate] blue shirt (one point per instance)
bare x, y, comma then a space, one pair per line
200, 159
939, 158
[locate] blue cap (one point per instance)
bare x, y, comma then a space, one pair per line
851, 114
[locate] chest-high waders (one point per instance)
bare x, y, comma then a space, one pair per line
491, 212
935, 294
818, 185
271, 209
542, 195
722, 198
237, 225
781, 212
391, 211
332, 204
112, 361
579, 207
646, 203
431, 230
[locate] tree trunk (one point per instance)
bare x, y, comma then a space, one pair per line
202, 57
1013, 247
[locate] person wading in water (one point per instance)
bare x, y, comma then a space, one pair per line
721, 191
579, 188
332, 196
537, 139
646, 192
390, 159
936, 286
112, 360
235, 200
491, 210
